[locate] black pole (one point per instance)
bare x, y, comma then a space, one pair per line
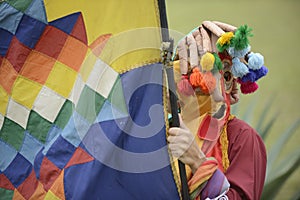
175, 123
172, 94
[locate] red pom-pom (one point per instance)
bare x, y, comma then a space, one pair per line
184, 86
195, 77
248, 87
208, 83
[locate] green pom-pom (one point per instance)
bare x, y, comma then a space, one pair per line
217, 64
240, 40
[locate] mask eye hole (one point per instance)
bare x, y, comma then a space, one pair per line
227, 76
227, 64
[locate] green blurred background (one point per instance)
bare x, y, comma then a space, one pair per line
276, 29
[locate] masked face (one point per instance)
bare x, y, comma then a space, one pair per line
214, 101
204, 86
203, 81
204, 113
207, 80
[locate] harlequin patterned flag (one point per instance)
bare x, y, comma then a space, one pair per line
82, 101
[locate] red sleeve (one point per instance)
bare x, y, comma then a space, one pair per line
247, 156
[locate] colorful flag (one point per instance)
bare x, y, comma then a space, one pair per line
82, 101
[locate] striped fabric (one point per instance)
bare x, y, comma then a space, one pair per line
208, 181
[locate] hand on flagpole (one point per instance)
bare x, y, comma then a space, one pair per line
183, 146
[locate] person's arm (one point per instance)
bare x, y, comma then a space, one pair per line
207, 179
247, 156
245, 174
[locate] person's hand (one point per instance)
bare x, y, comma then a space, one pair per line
183, 146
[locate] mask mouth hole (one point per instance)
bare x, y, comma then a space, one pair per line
220, 113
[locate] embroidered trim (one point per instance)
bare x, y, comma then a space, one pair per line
172, 161
224, 145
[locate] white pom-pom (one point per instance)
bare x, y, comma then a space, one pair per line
239, 69
255, 61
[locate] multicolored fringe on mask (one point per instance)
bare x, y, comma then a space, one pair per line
247, 66
215, 43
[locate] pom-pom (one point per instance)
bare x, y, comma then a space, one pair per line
207, 61
208, 83
184, 86
254, 75
249, 77
224, 41
240, 40
239, 69
195, 77
255, 61
218, 63
248, 87
239, 53
261, 72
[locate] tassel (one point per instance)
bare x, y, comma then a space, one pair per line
218, 63
241, 37
239, 69
207, 61
224, 41
208, 83
248, 87
250, 77
255, 61
184, 86
254, 75
261, 72
195, 77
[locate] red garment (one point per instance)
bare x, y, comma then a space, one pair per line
248, 159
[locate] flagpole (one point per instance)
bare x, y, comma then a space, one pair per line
172, 94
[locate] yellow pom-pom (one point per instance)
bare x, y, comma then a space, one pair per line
207, 61
225, 38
